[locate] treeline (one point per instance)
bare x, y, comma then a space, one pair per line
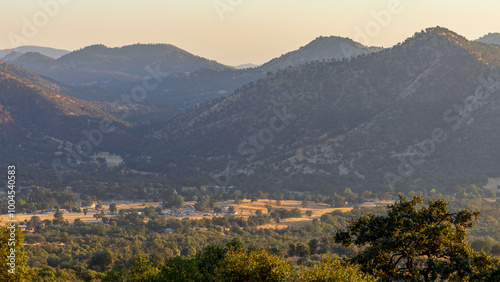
233, 262
36, 198
409, 240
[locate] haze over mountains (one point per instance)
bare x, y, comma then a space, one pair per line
301, 121
491, 38
50, 52
38, 123
322, 48
109, 67
352, 122
186, 79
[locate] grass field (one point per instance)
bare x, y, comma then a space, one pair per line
245, 209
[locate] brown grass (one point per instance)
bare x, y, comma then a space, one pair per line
245, 209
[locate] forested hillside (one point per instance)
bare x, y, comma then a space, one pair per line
354, 122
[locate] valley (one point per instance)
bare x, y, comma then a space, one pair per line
245, 209
175, 145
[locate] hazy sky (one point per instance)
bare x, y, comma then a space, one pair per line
235, 31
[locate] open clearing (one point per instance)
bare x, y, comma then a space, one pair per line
245, 209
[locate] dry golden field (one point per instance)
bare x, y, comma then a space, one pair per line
245, 209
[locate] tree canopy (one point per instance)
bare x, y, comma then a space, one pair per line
417, 242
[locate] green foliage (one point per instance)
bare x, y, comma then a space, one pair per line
258, 265
179, 201
149, 211
425, 243
59, 214
12, 249
284, 213
52, 274
40, 198
230, 262
141, 269
332, 270
197, 242
113, 208
102, 261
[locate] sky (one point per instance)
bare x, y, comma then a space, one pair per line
235, 32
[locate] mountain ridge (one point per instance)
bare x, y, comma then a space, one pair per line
491, 38
47, 51
387, 91
118, 69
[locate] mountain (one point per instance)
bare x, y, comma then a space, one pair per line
322, 48
208, 84
245, 66
420, 115
34, 61
117, 68
134, 58
491, 38
50, 52
89, 93
12, 56
40, 125
186, 79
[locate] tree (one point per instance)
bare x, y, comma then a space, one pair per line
337, 201
102, 261
302, 250
417, 244
19, 256
202, 204
58, 215
85, 211
141, 269
349, 195
269, 209
495, 250
309, 213
292, 251
367, 194
179, 201
231, 209
258, 212
304, 203
332, 270
99, 215
253, 265
113, 208
149, 211
313, 245
237, 201
33, 222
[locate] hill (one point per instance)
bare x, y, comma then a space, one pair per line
46, 51
186, 79
40, 125
360, 123
245, 66
205, 85
322, 48
491, 38
98, 64
12, 56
